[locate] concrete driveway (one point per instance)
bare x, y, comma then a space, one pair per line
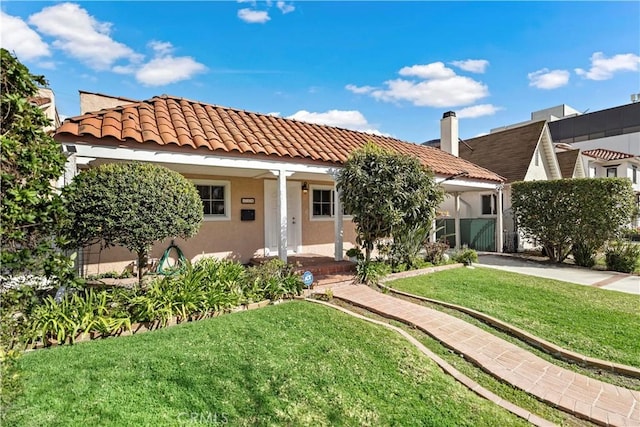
582, 276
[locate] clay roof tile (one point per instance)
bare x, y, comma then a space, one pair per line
192, 125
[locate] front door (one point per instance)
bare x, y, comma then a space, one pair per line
272, 222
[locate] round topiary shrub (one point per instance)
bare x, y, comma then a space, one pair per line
132, 205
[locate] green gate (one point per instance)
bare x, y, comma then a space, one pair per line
475, 233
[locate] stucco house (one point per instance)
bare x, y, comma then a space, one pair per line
267, 182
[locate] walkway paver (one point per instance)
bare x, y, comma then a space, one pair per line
585, 397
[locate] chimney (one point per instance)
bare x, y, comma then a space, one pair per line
449, 133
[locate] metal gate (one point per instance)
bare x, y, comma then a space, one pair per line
475, 233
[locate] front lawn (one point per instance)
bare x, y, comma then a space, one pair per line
292, 364
595, 322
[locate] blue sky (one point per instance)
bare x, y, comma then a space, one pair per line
389, 67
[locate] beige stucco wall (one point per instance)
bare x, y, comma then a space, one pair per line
231, 239
94, 102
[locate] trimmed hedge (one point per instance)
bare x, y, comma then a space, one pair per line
580, 214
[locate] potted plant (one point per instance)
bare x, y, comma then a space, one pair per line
354, 254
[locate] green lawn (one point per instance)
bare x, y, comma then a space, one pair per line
595, 322
292, 364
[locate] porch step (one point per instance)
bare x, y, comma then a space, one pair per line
319, 266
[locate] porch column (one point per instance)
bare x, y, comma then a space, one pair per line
499, 225
338, 225
282, 212
457, 219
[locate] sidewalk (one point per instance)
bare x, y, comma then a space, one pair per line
587, 398
581, 276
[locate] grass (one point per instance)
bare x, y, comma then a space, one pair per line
502, 389
595, 322
291, 364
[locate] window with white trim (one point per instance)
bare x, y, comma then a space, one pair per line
634, 174
322, 204
215, 199
612, 172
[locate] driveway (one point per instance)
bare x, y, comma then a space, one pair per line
581, 276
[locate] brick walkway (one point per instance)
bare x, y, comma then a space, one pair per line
587, 398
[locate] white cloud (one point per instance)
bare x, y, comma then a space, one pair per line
472, 65
603, 68
165, 68
161, 48
477, 111
17, 36
251, 16
274, 114
548, 79
360, 90
435, 86
285, 8
82, 36
348, 119
435, 70
450, 92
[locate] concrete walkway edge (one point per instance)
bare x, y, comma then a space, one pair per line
531, 339
450, 370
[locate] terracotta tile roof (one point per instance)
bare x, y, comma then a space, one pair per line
604, 154
567, 161
40, 100
167, 120
507, 153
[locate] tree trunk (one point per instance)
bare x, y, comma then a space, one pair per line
142, 262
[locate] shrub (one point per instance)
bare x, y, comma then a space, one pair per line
272, 280
131, 205
31, 160
435, 251
584, 254
623, 256
465, 256
568, 212
370, 273
388, 194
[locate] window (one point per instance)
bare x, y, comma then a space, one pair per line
612, 172
634, 174
322, 203
489, 204
215, 199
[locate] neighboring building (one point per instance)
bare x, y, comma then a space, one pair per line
608, 163
267, 182
523, 153
616, 128
570, 162
46, 100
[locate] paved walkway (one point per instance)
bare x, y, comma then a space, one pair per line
587, 398
582, 276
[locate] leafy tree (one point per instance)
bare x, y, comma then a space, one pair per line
131, 205
31, 162
577, 215
388, 194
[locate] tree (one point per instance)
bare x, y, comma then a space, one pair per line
573, 215
31, 162
131, 205
388, 194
